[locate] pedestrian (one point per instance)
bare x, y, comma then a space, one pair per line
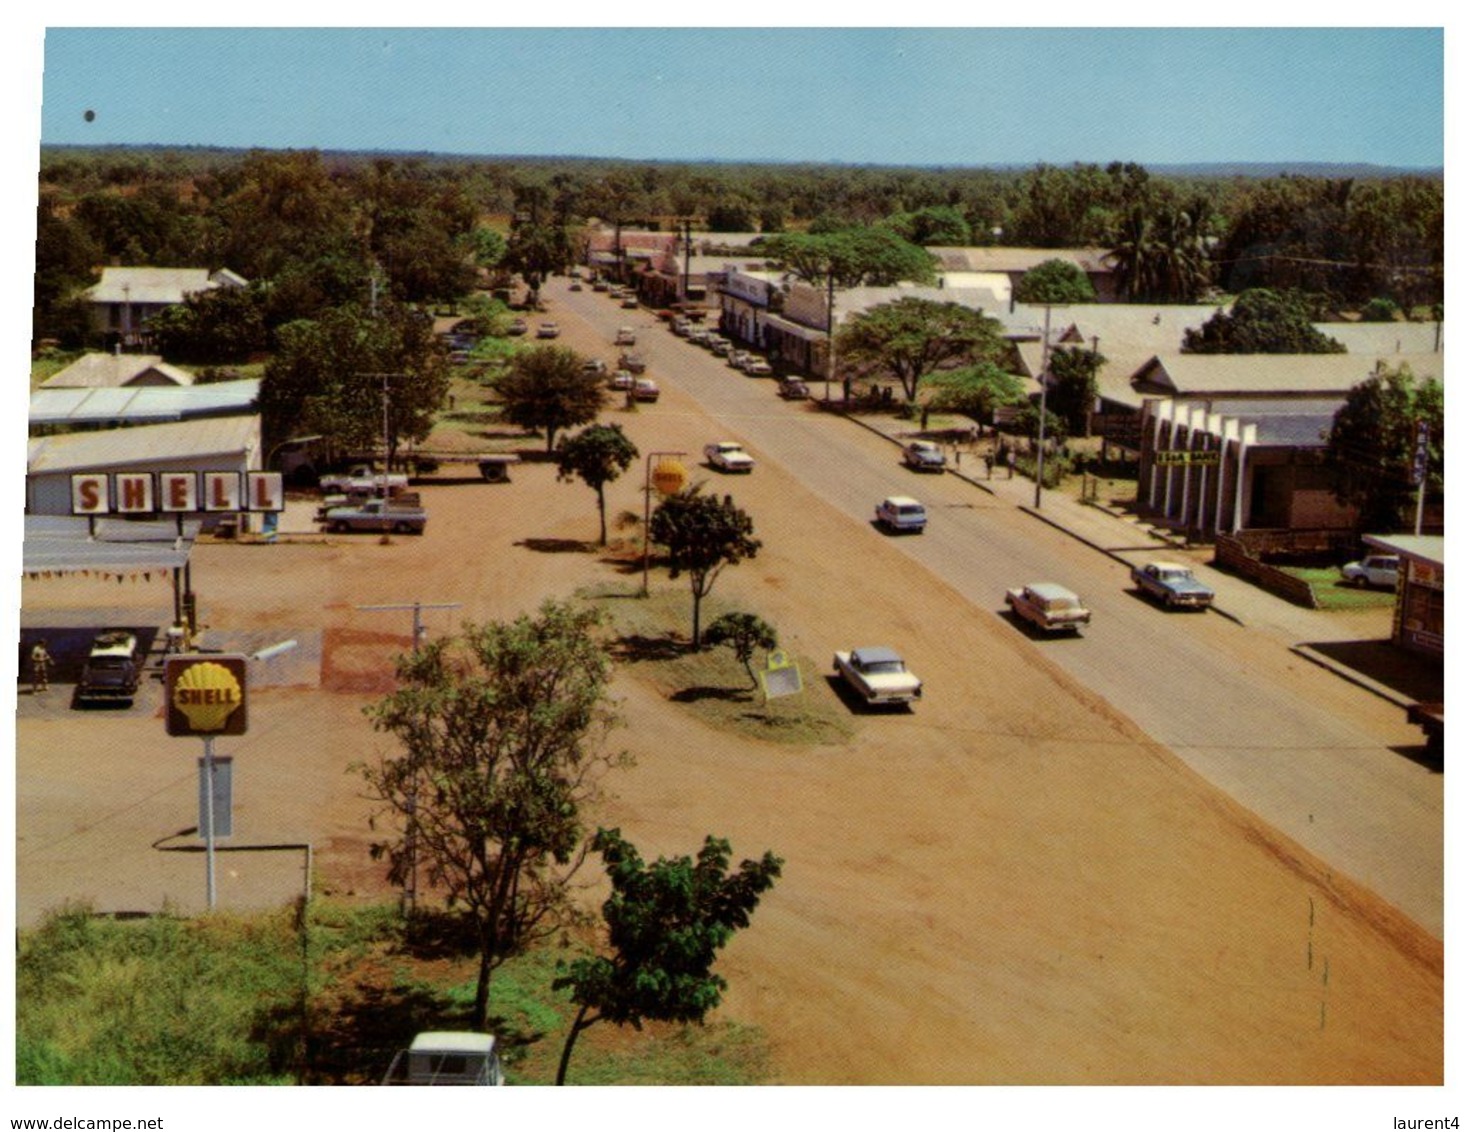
990, 462
1010, 462
40, 667
924, 418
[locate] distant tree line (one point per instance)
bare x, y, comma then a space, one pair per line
312, 227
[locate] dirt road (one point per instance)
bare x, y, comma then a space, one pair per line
1009, 885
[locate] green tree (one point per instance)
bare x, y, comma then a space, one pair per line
933, 226
546, 388
328, 378
218, 326
666, 922
1379, 309
909, 339
1055, 281
597, 455
1262, 322
503, 730
1073, 390
744, 633
850, 257
1160, 254
1371, 445
977, 391
703, 535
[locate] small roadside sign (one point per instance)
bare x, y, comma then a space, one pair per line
780, 677
205, 695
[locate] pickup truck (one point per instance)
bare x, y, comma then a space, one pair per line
728, 456
1050, 607
878, 674
377, 515
1172, 585
361, 478
447, 1057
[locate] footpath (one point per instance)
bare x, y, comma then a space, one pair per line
1334, 641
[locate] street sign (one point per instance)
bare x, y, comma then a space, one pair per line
205, 695
780, 677
1422, 452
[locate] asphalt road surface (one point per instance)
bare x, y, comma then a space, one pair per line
1318, 759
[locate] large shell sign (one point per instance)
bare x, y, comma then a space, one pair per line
669, 476
205, 695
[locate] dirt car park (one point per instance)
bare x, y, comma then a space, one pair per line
1009, 884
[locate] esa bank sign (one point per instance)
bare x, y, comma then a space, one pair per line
151, 493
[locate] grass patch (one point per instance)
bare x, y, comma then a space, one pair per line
277, 999
1333, 593
652, 635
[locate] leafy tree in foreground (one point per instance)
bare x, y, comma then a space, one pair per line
976, 391
502, 730
744, 633
1371, 445
1262, 322
910, 338
666, 922
1055, 281
703, 535
597, 455
546, 388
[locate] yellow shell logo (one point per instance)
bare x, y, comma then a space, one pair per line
207, 693
669, 476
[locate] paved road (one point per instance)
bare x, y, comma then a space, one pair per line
1311, 755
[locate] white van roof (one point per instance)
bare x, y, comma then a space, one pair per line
452, 1041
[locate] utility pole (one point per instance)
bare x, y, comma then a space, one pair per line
1042, 407
384, 378
409, 901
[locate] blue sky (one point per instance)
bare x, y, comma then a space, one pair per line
871, 95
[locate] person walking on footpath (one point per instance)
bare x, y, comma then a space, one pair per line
990, 462
40, 668
1010, 463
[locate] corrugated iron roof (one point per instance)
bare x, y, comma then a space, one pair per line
67, 543
107, 448
139, 403
97, 370
149, 284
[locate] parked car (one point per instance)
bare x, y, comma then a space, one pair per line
1381, 570
878, 674
600, 285
595, 365
633, 363
737, 359
700, 335
548, 330
400, 516
645, 389
630, 302
517, 326
901, 514
793, 390
924, 456
718, 345
1172, 585
758, 367
624, 336
576, 286
445, 1057
113, 668
681, 327
1050, 607
728, 456
621, 379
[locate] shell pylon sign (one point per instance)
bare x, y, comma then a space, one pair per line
669, 476
205, 695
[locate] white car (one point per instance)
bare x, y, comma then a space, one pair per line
900, 513
621, 380
1380, 570
737, 359
624, 336
728, 456
645, 389
878, 674
757, 367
